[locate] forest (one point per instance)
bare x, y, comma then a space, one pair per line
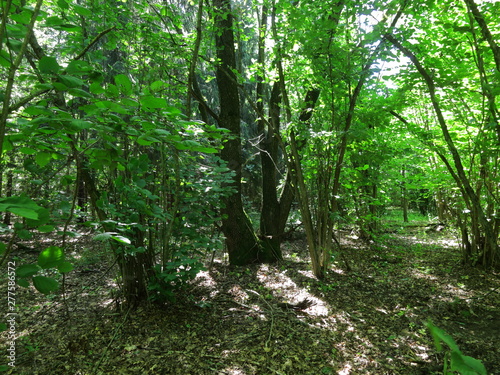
250, 187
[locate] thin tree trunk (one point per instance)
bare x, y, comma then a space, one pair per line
489, 248
404, 197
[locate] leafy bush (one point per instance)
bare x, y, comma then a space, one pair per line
173, 277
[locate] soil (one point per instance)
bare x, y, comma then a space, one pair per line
250, 320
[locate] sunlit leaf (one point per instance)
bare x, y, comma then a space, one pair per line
82, 11
51, 257
121, 239
43, 158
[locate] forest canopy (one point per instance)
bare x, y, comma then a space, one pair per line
250, 187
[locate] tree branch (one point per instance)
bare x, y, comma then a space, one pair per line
94, 41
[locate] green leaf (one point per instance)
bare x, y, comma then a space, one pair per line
23, 17
43, 158
70, 81
51, 257
439, 335
121, 239
63, 4
23, 282
124, 84
4, 59
102, 236
112, 91
112, 106
27, 151
46, 228
27, 270
111, 235
48, 65
96, 88
65, 267
157, 85
82, 11
80, 124
24, 234
43, 217
152, 102
36, 110
129, 102
145, 140
22, 206
45, 284
195, 146
79, 93
78, 67
466, 365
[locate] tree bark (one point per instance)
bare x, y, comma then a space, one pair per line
270, 231
242, 243
485, 31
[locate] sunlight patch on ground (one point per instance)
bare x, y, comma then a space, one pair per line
455, 291
285, 288
238, 293
443, 242
233, 371
307, 273
422, 274
346, 370
206, 280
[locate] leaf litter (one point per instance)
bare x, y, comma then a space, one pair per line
269, 319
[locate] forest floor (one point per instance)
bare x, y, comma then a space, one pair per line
239, 320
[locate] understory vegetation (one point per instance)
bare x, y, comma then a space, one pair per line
249, 186
242, 320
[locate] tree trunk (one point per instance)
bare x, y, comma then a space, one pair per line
270, 231
404, 196
242, 243
8, 193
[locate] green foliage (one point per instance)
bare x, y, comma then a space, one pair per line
173, 278
454, 360
22, 206
52, 260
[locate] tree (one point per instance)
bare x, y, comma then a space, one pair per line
469, 167
242, 243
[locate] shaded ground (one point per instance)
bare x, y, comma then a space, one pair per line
366, 321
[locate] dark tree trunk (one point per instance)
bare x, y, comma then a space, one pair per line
270, 223
242, 243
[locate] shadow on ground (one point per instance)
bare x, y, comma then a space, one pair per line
233, 321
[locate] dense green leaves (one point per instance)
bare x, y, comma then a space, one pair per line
22, 206
96, 123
